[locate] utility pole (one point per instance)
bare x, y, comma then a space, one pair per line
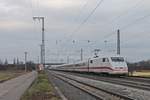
105, 45
41, 54
25, 61
81, 54
38, 60
118, 42
68, 59
43, 40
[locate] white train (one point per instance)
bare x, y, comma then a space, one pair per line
105, 64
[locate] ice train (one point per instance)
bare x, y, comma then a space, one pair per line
105, 64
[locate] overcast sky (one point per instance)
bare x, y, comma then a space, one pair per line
19, 33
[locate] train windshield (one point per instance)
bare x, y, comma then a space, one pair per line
117, 59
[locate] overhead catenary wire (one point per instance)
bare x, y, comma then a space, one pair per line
135, 21
37, 7
130, 24
122, 28
120, 16
81, 10
87, 18
68, 38
136, 4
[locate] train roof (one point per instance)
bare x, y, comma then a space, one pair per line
106, 56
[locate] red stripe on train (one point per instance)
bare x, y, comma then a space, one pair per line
108, 68
95, 68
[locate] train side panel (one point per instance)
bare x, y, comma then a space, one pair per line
100, 65
109, 65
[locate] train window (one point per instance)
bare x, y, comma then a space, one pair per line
105, 60
117, 59
91, 61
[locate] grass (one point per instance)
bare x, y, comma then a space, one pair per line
41, 89
6, 75
142, 74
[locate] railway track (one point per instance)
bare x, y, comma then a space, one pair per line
139, 83
96, 91
139, 79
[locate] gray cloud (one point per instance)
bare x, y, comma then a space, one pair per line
19, 33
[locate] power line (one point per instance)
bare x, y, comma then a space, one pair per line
119, 16
127, 11
134, 36
37, 5
130, 24
79, 14
31, 6
109, 35
81, 9
99, 3
135, 21
87, 18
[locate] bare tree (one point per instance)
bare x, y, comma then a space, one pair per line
6, 62
14, 61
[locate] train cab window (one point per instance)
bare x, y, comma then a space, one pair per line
91, 61
117, 59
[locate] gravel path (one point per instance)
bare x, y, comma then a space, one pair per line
13, 89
